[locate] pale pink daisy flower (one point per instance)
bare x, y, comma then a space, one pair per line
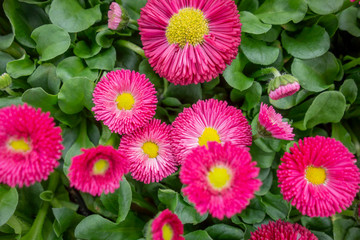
117, 18
98, 170
206, 121
354, 1
166, 226
220, 179
149, 152
319, 176
280, 230
270, 124
30, 145
190, 41
124, 100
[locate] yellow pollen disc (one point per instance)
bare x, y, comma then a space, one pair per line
167, 232
219, 177
209, 135
315, 175
150, 149
20, 145
125, 101
100, 167
187, 26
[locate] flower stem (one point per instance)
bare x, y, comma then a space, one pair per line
131, 46
36, 229
266, 71
11, 92
351, 64
132, 21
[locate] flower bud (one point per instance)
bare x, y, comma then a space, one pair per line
5, 81
117, 17
283, 86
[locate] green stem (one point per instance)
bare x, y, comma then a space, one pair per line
35, 232
11, 92
354, 138
132, 21
266, 71
166, 84
351, 64
131, 46
138, 200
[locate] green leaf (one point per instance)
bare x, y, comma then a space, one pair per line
330, 23
316, 223
275, 206
119, 202
169, 197
248, 5
171, 102
145, 68
9, 101
325, 7
310, 43
50, 45
6, 41
84, 50
69, 15
316, 74
263, 159
341, 226
133, 7
37, 97
63, 219
253, 95
349, 90
21, 67
4, 59
45, 77
340, 133
348, 21
258, 52
95, 227
102, 38
225, 232
71, 103
104, 60
233, 74
8, 202
199, 234
281, 12
74, 67
252, 24
266, 179
353, 234
254, 213
186, 94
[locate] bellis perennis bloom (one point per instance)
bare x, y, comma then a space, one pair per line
319, 176
166, 226
283, 86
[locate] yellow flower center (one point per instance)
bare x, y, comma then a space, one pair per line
167, 232
19, 145
209, 135
219, 177
187, 26
125, 101
315, 175
151, 149
100, 167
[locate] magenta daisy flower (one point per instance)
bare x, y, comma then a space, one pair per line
167, 226
30, 145
98, 170
220, 179
124, 100
319, 176
206, 121
149, 151
270, 124
190, 41
280, 230
283, 86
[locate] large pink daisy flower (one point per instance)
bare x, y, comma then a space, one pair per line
124, 100
167, 226
271, 125
280, 230
149, 151
98, 170
30, 145
206, 121
319, 176
220, 178
190, 41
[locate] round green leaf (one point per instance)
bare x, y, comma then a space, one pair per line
6, 41
330, 23
348, 21
37, 97
133, 7
254, 213
310, 43
327, 107
341, 226
104, 60
350, 90
74, 67
224, 232
275, 206
84, 50
258, 52
325, 7
145, 68
21, 67
234, 76
63, 219
252, 24
45, 77
199, 234
171, 102
281, 12
316, 74
69, 15
51, 41
186, 94
4, 59
8, 202
263, 159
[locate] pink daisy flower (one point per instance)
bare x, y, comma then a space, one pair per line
280, 230
206, 121
98, 170
166, 226
124, 100
284, 91
30, 145
270, 124
190, 41
149, 152
319, 176
220, 179
117, 17
354, 1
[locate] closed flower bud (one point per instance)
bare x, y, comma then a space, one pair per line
283, 86
5, 81
118, 17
